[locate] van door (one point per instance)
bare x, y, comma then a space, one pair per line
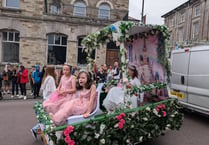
179, 73
198, 80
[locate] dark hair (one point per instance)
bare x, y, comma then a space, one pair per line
133, 68
88, 83
22, 67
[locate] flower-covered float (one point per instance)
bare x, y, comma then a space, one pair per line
145, 47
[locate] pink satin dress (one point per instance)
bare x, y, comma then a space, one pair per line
77, 106
55, 100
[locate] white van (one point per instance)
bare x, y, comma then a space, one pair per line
190, 77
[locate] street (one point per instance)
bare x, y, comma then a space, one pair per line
17, 117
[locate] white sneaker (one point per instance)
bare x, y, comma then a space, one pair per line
20, 97
17, 95
8, 92
25, 97
12, 96
31, 94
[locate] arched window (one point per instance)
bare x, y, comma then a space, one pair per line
104, 11
57, 47
82, 55
79, 8
10, 46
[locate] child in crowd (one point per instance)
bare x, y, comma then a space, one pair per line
83, 104
65, 91
48, 86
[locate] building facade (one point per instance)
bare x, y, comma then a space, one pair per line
51, 31
188, 24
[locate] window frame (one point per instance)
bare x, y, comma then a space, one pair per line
171, 22
182, 17
197, 10
180, 34
7, 40
100, 16
12, 7
75, 8
55, 44
195, 30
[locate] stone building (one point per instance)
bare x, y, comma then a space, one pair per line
188, 23
51, 31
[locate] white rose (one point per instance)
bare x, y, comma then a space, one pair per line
145, 118
96, 135
102, 141
140, 138
148, 109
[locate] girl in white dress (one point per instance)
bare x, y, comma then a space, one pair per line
115, 96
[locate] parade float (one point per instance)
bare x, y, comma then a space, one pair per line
145, 47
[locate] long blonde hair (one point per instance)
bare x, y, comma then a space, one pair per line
50, 70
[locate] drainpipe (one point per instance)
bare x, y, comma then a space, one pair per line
203, 20
187, 33
45, 1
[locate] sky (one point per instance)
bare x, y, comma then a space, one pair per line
153, 9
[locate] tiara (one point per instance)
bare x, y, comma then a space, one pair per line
66, 63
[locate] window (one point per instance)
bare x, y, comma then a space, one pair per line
82, 55
171, 37
171, 22
54, 9
57, 46
12, 3
79, 9
104, 11
181, 34
182, 17
195, 31
197, 10
10, 46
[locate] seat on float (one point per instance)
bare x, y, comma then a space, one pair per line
79, 118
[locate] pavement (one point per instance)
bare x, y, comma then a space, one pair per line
29, 96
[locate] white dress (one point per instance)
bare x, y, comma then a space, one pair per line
115, 97
48, 87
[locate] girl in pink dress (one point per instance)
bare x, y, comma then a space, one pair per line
84, 104
65, 91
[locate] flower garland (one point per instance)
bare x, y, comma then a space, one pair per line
67, 133
43, 117
128, 126
121, 120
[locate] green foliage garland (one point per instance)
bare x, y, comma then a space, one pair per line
138, 125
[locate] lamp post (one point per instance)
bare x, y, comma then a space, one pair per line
142, 11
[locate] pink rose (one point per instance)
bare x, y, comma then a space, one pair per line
119, 117
164, 113
123, 114
70, 128
67, 139
72, 142
120, 125
122, 121
66, 132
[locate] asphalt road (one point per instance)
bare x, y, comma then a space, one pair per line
17, 117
